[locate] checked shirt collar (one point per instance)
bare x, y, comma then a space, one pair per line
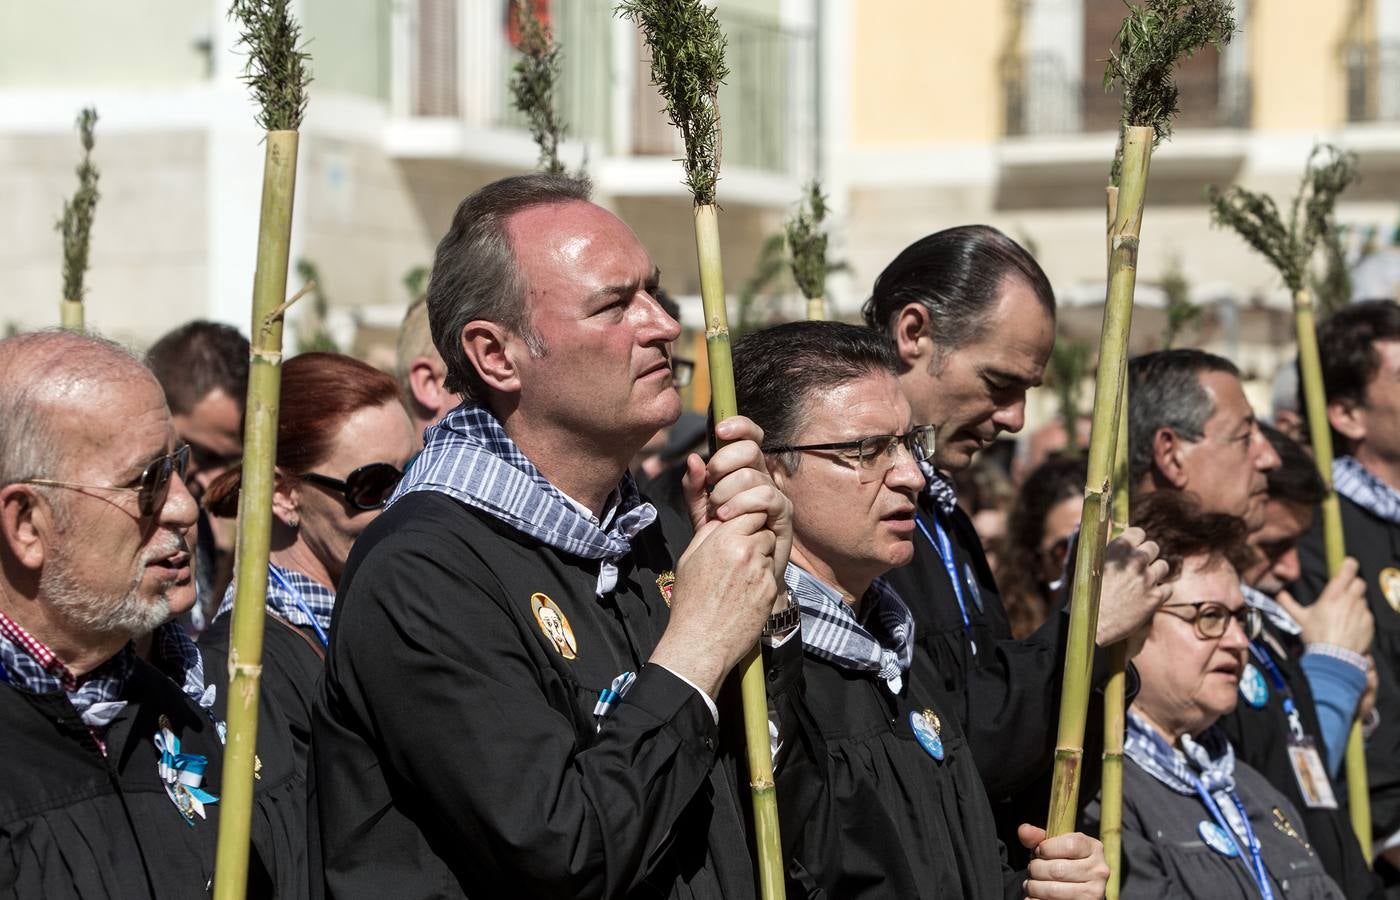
830, 631
30, 666
469, 457
939, 489
281, 602
1356, 483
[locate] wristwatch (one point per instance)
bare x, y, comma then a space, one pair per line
780, 624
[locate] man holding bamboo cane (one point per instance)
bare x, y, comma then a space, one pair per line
971, 316
519, 696
1360, 351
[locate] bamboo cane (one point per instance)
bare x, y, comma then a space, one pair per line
276, 75
75, 226
1290, 247
1098, 495
1333, 539
687, 49
1115, 689
1154, 36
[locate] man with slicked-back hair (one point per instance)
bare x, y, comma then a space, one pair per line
971, 317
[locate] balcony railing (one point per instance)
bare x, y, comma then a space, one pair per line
458, 60
1373, 82
1044, 98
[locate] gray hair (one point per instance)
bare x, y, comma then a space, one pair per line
39, 372
1164, 391
476, 275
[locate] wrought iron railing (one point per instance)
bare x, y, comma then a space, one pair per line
1373, 81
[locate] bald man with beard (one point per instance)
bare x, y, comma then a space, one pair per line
113, 757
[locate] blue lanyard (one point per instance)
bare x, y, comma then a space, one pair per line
301, 605
1295, 720
1258, 872
944, 548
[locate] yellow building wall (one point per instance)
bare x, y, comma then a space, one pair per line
925, 71
1295, 49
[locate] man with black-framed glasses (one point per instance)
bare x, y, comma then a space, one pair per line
112, 751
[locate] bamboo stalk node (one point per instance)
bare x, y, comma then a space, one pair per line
717, 330
271, 319
268, 356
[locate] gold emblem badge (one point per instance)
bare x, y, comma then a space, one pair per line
666, 582
555, 625
1389, 581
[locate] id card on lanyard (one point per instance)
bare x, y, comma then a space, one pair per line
943, 547
1308, 769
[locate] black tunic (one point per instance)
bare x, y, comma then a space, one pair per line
1260, 738
75, 823
1375, 544
291, 663
865, 811
455, 747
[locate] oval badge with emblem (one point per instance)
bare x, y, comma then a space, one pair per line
554, 625
1389, 583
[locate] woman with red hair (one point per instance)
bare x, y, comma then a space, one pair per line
343, 439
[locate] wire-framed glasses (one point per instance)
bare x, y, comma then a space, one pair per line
151, 488
873, 456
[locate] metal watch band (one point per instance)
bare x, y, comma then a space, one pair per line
784, 621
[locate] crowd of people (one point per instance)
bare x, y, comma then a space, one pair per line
506, 606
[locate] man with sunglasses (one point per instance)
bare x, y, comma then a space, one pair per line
971, 317
1191, 430
112, 753
520, 690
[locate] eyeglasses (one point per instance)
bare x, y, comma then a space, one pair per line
368, 487
1212, 620
875, 455
152, 488
682, 371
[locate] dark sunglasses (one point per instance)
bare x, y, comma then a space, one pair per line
368, 487
152, 488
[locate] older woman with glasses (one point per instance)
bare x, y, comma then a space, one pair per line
343, 439
1196, 821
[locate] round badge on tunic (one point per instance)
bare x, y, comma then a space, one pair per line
1389, 583
928, 731
1253, 688
1217, 839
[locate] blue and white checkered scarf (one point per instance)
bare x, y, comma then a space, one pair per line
939, 488
319, 599
98, 699
1277, 615
468, 456
831, 632
1209, 758
1356, 483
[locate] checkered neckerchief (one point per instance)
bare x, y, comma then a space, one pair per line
830, 631
1356, 483
319, 599
939, 489
469, 456
30, 666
